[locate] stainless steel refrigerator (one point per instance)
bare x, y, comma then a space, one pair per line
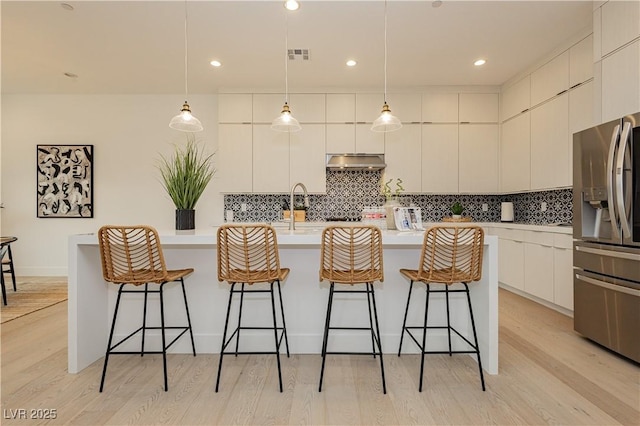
606, 229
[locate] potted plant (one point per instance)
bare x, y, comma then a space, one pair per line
456, 210
391, 197
185, 175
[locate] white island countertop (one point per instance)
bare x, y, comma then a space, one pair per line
92, 300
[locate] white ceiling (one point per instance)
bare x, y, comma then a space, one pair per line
138, 47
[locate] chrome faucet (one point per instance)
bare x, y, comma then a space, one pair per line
292, 220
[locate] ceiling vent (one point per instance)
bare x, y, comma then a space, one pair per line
298, 54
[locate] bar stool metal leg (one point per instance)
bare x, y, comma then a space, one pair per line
404, 322
224, 335
284, 324
446, 292
424, 336
326, 335
375, 315
144, 318
275, 335
113, 327
164, 342
186, 307
239, 318
475, 336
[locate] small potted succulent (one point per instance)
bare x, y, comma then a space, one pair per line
456, 210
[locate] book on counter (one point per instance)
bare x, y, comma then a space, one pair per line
407, 218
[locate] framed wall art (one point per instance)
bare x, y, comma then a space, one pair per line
65, 181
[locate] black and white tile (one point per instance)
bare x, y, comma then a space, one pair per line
348, 192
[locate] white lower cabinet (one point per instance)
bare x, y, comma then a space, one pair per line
538, 273
511, 263
537, 263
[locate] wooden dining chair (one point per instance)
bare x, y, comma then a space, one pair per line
450, 255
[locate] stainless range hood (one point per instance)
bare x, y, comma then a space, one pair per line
355, 162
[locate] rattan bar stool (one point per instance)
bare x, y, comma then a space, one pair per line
6, 259
352, 255
248, 254
450, 255
132, 255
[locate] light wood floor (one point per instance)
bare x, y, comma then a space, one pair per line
548, 375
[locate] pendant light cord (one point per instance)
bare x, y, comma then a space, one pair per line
186, 54
385, 51
286, 58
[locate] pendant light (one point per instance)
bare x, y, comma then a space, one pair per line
185, 121
285, 122
386, 122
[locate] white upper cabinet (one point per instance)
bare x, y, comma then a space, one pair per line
341, 108
406, 106
440, 107
402, 155
341, 138
621, 82
581, 61
270, 160
235, 108
368, 141
515, 145
581, 108
478, 158
479, 108
308, 108
266, 107
516, 98
234, 157
550, 144
307, 162
368, 106
551, 79
440, 158
620, 24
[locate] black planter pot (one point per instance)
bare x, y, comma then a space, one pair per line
185, 219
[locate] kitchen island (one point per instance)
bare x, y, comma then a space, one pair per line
92, 300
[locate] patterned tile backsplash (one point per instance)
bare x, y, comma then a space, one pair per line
349, 191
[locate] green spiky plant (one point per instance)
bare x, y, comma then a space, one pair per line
457, 208
186, 174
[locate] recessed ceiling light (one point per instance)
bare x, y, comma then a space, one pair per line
216, 63
66, 6
351, 63
436, 3
291, 5
479, 62
70, 75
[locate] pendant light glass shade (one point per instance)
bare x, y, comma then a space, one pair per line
285, 122
386, 122
185, 121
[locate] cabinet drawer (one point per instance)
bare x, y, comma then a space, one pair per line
539, 237
509, 234
563, 241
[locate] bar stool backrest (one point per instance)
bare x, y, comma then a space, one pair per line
452, 254
131, 254
351, 254
248, 254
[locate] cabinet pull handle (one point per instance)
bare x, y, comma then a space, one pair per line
524, 110
576, 85
560, 93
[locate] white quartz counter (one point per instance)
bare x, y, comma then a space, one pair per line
91, 300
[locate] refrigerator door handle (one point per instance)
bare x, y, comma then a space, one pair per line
609, 253
622, 206
610, 177
604, 284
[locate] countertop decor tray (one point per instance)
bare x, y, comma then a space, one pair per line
451, 219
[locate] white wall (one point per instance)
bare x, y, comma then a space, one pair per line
128, 133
